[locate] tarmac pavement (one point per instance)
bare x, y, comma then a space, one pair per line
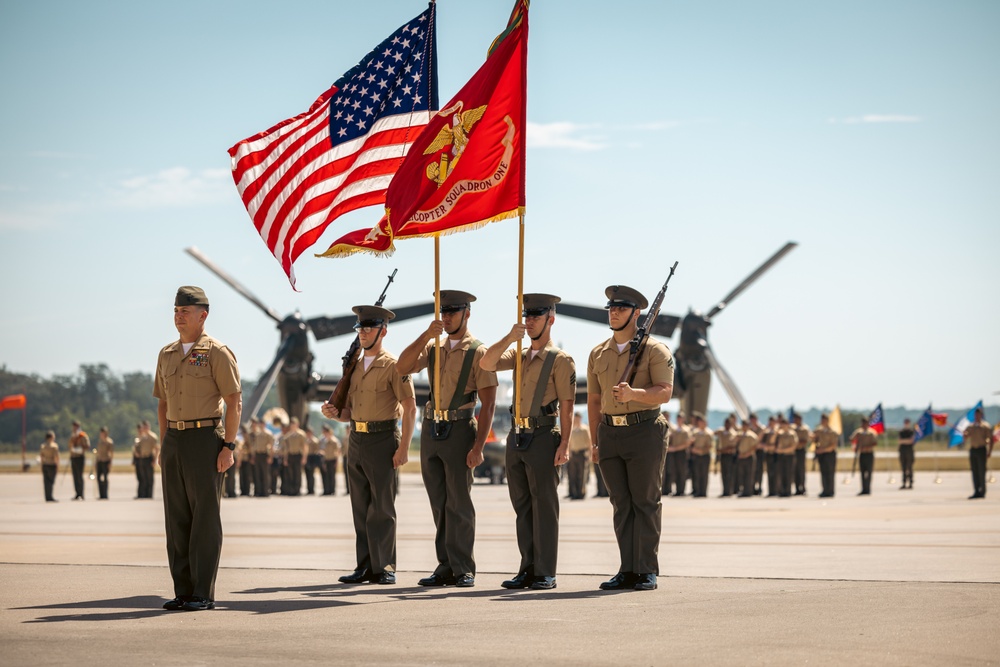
895, 578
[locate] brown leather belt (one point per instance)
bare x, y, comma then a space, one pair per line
447, 415
197, 423
531, 423
632, 418
373, 427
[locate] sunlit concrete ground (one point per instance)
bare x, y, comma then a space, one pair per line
898, 577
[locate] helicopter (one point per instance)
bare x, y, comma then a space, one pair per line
298, 385
694, 358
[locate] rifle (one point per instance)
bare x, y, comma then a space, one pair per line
638, 342
338, 398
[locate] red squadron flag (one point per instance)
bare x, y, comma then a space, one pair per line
303, 173
466, 169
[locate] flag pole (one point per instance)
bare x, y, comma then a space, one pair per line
520, 310
437, 316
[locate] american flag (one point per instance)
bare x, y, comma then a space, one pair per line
300, 175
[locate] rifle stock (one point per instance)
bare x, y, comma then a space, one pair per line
338, 398
638, 344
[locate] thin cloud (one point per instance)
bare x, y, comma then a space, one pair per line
563, 135
875, 118
175, 187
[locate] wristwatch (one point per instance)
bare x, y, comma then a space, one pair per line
229, 445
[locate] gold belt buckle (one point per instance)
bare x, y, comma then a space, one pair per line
181, 426
361, 427
525, 422
619, 420
440, 415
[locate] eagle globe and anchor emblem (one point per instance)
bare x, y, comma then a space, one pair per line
455, 134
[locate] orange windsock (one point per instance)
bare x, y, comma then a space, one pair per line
13, 402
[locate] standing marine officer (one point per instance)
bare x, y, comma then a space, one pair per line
294, 444
826, 440
907, 438
978, 437
579, 458
48, 454
864, 440
451, 440
804, 434
79, 445
746, 449
379, 395
103, 457
195, 376
725, 455
534, 453
628, 434
701, 456
147, 447
675, 473
260, 442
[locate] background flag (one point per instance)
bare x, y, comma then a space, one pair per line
940, 418
300, 175
877, 420
13, 402
956, 434
467, 167
924, 426
836, 421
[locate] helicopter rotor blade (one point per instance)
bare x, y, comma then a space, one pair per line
256, 400
328, 327
664, 325
211, 266
726, 300
739, 403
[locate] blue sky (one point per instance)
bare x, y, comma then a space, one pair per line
710, 133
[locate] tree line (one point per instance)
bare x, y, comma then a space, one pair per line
95, 396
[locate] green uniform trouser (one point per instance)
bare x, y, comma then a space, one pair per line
632, 460
373, 498
448, 480
533, 484
192, 493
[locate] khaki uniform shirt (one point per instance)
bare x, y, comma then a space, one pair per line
312, 444
260, 443
330, 447
727, 440
375, 394
146, 445
561, 383
606, 365
105, 448
786, 441
679, 438
79, 444
701, 442
193, 384
804, 435
294, 442
865, 439
767, 440
978, 434
747, 443
452, 360
48, 452
579, 439
826, 439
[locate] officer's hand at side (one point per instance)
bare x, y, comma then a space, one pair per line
474, 458
225, 460
562, 455
400, 458
329, 411
594, 456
